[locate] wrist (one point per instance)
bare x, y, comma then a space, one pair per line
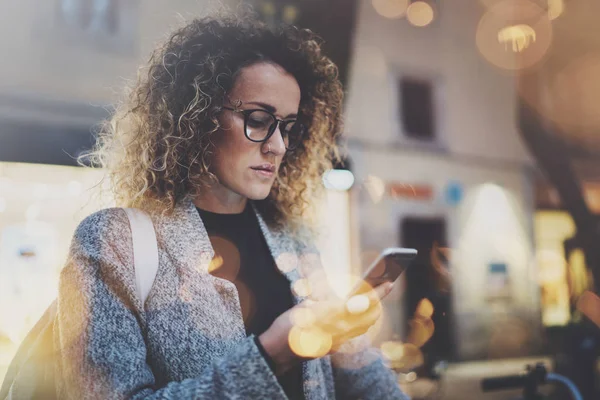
264, 354
278, 352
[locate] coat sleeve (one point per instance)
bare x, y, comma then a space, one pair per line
360, 373
99, 336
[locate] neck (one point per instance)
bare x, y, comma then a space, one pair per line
221, 202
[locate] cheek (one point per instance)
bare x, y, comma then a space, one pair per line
233, 151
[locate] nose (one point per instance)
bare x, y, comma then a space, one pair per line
275, 144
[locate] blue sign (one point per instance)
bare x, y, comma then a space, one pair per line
454, 193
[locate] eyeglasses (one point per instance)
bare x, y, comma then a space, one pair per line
259, 126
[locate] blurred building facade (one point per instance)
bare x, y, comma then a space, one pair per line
67, 62
432, 135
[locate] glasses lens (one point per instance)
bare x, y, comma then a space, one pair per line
258, 124
293, 134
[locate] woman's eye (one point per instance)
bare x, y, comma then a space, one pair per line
257, 122
259, 119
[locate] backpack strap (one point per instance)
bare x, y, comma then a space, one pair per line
145, 251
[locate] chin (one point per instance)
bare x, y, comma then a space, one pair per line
258, 193
258, 196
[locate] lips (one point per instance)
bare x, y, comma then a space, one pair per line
264, 167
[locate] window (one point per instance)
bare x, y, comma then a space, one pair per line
108, 24
106, 16
75, 13
417, 108
101, 16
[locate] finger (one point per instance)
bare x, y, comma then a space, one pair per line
372, 298
325, 309
383, 290
371, 316
357, 331
364, 320
342, 325
347, 322
361, 303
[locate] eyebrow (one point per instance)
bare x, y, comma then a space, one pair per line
270, 108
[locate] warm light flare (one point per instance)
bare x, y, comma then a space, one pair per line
555, 8
287, 262
391, 9
268, 8
589, 305
309, 342
301, 288
517, 37
358, 304
514, 34
411, 377
403, 356
421, 330
393, 351
551, 266
226, 260
424, 309
303, 317
215, 263
290, 14
420, 14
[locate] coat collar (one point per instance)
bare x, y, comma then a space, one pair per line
183, 236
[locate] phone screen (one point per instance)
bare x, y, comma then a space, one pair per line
387, 268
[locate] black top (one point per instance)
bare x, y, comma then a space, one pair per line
264, 292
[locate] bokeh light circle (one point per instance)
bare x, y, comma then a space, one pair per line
392, 350
489, 3
420, 14
424, 309
309, 342
514, 34
391, 9
303, 317
575, 92
358, 304
569, 97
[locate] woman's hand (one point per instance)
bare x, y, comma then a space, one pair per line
313, 329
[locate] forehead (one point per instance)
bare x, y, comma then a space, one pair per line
267, 83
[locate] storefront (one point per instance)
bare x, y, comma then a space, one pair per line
472, 221
563, 274
40, 207
43, 197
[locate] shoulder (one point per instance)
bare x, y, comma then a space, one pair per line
102, 234
100, 256
103, 224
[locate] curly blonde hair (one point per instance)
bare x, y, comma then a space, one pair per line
157, 147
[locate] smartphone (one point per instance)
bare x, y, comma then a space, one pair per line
387, 267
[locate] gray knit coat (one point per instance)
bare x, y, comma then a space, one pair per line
188, 341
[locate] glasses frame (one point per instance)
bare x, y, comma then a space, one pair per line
279, 123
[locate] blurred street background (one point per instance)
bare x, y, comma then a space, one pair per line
472, 133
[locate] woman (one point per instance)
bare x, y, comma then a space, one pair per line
223, 142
